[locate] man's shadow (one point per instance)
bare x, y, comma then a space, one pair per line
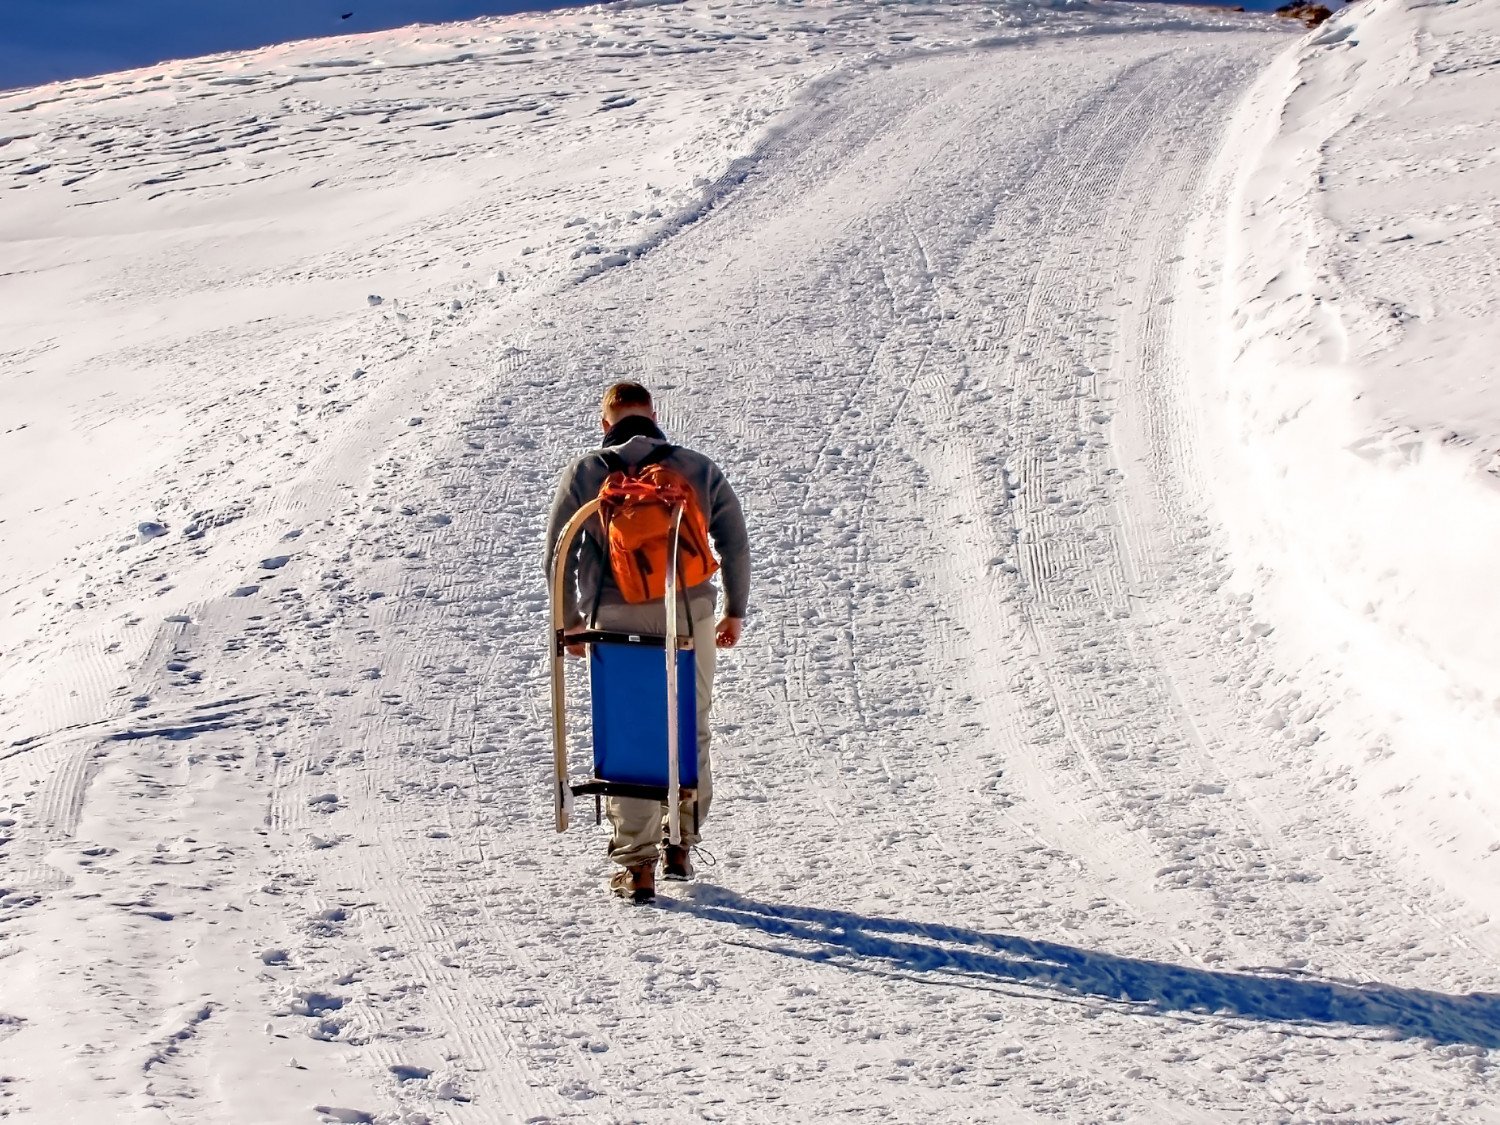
968, 958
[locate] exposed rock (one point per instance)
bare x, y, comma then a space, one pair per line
1310, 14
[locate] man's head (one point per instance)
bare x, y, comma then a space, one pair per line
623, 400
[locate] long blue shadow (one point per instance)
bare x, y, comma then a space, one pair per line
954, 955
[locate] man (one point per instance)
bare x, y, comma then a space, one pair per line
592, 598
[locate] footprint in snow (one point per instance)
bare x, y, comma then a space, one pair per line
313, 1003
326, 923
343, 1115
327, 1031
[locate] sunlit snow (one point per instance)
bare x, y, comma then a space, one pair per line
1110, 388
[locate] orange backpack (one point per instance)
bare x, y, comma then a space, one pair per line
636, 506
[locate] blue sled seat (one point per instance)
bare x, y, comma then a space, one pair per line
628, 682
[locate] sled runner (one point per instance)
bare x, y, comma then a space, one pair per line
643, 699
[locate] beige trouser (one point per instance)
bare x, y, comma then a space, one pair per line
639, 825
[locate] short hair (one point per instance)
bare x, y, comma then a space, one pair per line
625, 396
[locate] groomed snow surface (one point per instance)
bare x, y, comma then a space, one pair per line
1110, 389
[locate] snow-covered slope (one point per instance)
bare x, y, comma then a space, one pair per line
50, 40
294, 345
1360, 404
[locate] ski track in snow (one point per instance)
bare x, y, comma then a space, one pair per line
994, 839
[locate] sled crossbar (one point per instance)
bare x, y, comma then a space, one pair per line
600, 787
604, 637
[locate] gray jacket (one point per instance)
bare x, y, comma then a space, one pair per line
593, 582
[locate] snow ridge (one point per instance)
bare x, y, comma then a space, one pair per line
1360, 422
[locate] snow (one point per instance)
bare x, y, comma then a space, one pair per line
51, 40
1061, 773
1361, 419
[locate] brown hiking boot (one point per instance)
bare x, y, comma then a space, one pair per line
677, 862
636, 882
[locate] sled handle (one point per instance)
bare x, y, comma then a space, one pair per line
674, 738
562, 795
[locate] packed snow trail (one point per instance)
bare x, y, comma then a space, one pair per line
992, 844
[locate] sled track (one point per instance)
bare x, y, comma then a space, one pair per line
952, 704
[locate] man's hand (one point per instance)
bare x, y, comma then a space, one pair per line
728, 633
575, 650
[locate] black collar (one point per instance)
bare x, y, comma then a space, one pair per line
632, 425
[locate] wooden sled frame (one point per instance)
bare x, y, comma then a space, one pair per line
672, 643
